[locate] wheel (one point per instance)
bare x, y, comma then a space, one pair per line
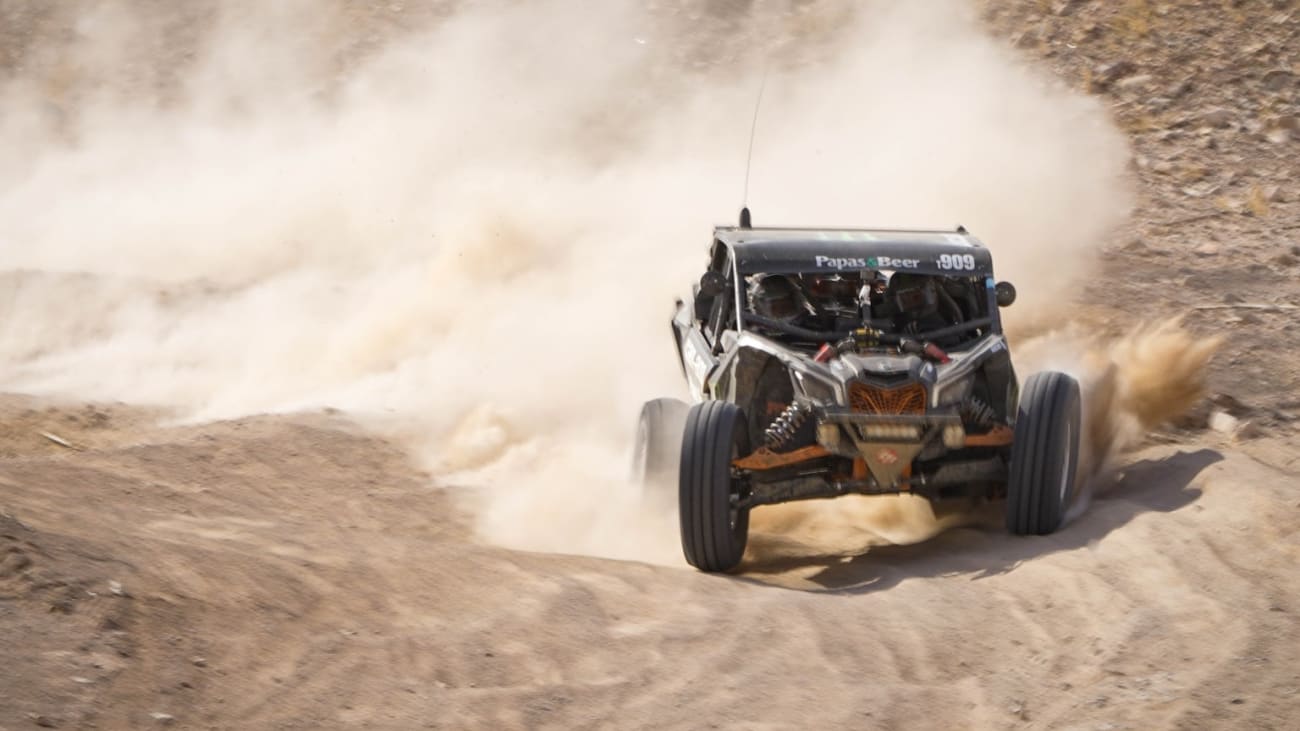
658, 449
714, 530
1044, 454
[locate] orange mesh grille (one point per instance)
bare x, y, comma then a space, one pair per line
906, 399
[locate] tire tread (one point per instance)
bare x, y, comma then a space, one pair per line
708, 541
1042, 448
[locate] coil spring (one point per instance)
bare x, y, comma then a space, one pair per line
975, 411
783, 428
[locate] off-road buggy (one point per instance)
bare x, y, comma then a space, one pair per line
833, 362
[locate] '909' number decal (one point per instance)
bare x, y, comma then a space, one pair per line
957, 261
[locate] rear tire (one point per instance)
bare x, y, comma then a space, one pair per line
657, 454
714, 532
1044, 455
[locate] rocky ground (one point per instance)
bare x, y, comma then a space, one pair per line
1209, 93
297, 572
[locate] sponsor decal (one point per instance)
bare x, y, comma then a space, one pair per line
885, 262
886, 456
831, 262
872, 262
698, 364
956, 262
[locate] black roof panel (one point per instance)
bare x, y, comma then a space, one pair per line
792, 250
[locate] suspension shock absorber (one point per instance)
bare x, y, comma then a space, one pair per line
975, 411
783, 428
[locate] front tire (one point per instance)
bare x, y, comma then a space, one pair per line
1044, 455
714, 531
657, 455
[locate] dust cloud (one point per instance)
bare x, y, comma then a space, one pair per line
1130, 385
467, 231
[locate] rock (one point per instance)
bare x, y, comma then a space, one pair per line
1223, 422
115, 587
1278, 79
1086, 32
1231, 404
1134, 82
1209, 248
1271, 193
1248, 430
1107, 74
1218, 117
43, 721
199, 662
1137, 246
1200, 191
1164, 167
1281, 130
14, 563
164, 719
1258, 48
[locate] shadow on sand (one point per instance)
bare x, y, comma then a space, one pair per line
985, 549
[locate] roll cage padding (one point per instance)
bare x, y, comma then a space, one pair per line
886, 338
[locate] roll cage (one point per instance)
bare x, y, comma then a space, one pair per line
738, 253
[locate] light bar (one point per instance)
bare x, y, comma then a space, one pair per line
907, 432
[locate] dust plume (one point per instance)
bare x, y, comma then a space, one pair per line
465, 223
1131, 384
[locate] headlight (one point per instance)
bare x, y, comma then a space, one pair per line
953, 392
954, 436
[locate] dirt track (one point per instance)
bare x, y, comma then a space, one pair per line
294, 573
301, 571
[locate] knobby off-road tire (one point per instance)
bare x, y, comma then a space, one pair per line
1044, 455
714, 532
657, 455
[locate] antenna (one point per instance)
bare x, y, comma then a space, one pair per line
749, 155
